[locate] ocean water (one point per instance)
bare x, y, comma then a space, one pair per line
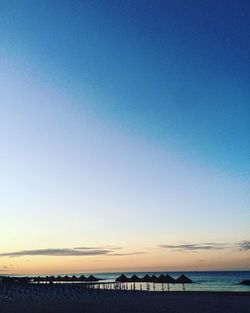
203, 281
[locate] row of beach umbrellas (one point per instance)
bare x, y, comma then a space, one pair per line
67, 278
162, 279
51, 279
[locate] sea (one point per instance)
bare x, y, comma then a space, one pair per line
202, 281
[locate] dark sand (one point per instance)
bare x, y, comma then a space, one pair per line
107, 301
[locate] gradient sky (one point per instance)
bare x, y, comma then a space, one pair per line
124, 135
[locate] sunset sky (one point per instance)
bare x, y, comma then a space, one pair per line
124, 136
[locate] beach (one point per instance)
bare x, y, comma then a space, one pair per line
67, 299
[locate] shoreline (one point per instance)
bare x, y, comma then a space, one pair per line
126, 301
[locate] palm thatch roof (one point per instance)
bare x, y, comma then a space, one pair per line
146, 279
153, 279
169, 279
82, 278
161, 279
135, 279
92, 278
183, 279
122, 279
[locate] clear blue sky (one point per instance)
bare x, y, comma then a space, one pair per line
133, 111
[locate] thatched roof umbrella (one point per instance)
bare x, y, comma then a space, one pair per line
92, 278
51, 279
169, 280
161, 280
153, 279
183, 280
135, 279
82, 278
74, 278
66, 278
122, 279
146, 279
59, 278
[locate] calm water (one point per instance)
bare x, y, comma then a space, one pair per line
203, 281
207, 281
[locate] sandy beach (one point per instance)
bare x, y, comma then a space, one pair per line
64, 299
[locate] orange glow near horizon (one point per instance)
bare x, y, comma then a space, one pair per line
154, 261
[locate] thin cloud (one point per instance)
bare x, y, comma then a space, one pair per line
195, 246
105, 247
79, 251
124, 254
56, 252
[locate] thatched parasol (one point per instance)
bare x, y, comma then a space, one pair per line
74, 278
161, 280
82, 278
146, 279
92, 278
153, 279
135, 279
59, 278
51, 279
66, 278
183, 280
169, 280
122, 279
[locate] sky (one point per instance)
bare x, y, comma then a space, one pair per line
124, 136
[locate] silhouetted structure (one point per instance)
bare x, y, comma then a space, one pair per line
183, 280
146, 279
122, 279
82, 278
92, 278
135, 279
169, 280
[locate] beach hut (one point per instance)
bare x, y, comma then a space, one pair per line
183, 280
